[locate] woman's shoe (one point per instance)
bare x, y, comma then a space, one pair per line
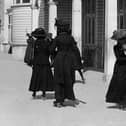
122, 105
83, 81
76, 102
34, 94
69, 102
58, 104
43, 94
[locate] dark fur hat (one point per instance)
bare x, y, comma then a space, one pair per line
119, 34
62, 26
39, 32
61, 23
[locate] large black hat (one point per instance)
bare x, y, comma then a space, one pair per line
39, 32
121, 41
62, 26
61, 23
119, 34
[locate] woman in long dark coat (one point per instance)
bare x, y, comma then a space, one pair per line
63, 65
42, 78
117, 89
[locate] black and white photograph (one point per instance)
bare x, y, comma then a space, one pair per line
62, 62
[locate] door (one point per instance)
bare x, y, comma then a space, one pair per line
93, 33
121, 14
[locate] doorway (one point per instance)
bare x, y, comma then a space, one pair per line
93, 33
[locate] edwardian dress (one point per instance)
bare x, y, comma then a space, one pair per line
117, 89
63, 66
42, 78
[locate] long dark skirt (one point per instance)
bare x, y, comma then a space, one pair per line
117, 89
63, 77
42, 79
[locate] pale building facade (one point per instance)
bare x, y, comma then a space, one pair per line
4, 22
1, 18
92, 23
24, 19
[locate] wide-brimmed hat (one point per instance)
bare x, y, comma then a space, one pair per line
121, 41
61, 23
62, 26
119, 34
39, 32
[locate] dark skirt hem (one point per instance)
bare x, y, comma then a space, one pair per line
42, 79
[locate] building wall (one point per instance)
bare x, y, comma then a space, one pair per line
4, 34
21, 24
24, 20
7, 5
1, 14
64, 10
1, 23
44, 15
41, 14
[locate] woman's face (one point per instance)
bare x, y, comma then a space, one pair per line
124, 46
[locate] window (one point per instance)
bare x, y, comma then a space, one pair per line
26, 1
22, 1
17, 1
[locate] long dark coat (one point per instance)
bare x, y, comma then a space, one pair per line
63, 66
77, 58
42, 78
117, 88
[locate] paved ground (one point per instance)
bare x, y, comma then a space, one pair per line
17, 108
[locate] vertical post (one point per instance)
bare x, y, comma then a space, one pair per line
110, 26
77, 21
35, 13
52, 16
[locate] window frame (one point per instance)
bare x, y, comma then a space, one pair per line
21, 2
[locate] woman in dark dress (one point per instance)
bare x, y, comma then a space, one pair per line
117, 89
63, 65
42, 78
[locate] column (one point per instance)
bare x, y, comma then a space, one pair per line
77, 22
110, 26
35, 13
52, 16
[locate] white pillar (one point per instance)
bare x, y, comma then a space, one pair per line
77, 21
7, 5
52, 16
35, 14
6, 23
110, 26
